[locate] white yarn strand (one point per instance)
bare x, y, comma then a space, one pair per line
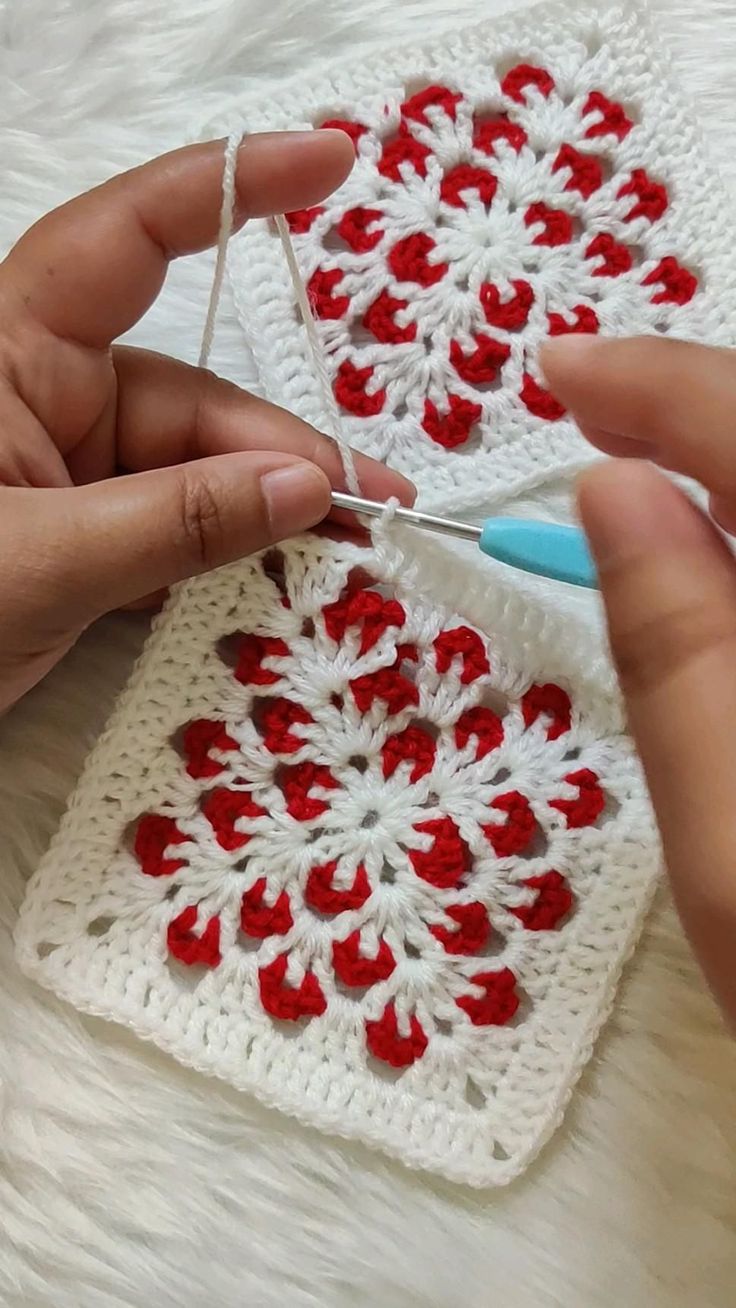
318, 359
227, 218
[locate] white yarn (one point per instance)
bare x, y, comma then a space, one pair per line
227, 217
316, 350
227, 214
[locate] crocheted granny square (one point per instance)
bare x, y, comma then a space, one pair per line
525, 179
350, 853
374, 861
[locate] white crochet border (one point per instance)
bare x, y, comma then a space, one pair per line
667, 137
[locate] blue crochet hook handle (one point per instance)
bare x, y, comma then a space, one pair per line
543, 548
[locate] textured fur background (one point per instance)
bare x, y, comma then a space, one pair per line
125, 1180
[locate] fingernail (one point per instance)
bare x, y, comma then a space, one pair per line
575, 354
296, 497
577, 349
630, 509
561, 356
312, 139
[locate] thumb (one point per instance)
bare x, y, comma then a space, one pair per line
110, 542
669, 586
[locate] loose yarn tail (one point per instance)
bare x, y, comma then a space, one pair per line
227, 218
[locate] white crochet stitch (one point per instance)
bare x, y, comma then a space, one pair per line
338, 846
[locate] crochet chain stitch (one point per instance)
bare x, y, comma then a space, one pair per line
368, 857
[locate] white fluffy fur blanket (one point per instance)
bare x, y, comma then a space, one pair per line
125, 1180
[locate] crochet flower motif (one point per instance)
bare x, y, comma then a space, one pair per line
377, 834
481, 229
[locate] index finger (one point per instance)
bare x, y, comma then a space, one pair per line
665, 400
91, 268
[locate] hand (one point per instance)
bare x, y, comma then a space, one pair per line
669, 585
210, 472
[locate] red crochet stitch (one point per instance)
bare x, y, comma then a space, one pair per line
498, 1004
584, 319
353, 969
463, 178
401, 151
358, 229
481, 364
225, 810
413, 745
352, 393
586, 172
515, 835
367, 610
184, 944
652, 200
613, 258
611, 120
384, 1041
678, 284
155, 834
464, 645
200, 739
259, 919
453, 427
590, 802
278, 718
286, 1001
550, 702
510, 313
251, 654
556, 225
298, 783
321, 894
552, 902
321, 288
409, 261
539, 401
487, 133
447, 860
471, 931
481, 724
380, 320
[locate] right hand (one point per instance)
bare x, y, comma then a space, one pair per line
669, 586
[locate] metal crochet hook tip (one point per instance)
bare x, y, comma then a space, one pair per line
425, 521
546, 549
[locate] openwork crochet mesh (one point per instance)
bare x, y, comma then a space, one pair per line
370, 860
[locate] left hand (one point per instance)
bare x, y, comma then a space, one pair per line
210, 473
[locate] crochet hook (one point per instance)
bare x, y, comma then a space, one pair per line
543, 548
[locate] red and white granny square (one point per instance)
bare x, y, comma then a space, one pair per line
523, 180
